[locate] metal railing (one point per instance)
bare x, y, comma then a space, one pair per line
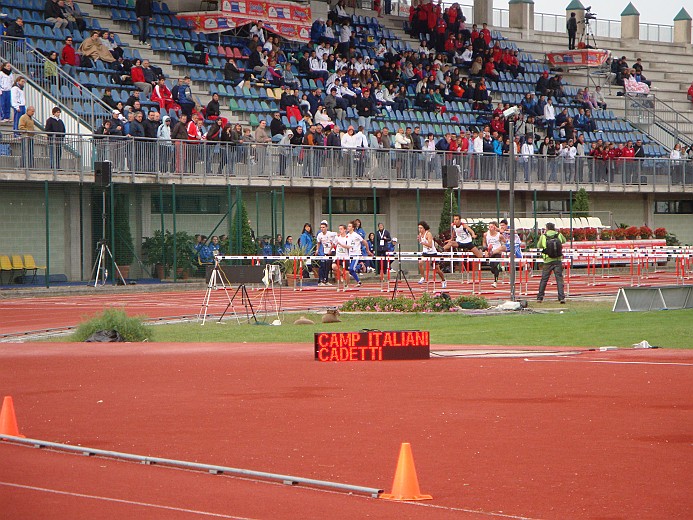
153, 161
659, 119
555, 23
51, 80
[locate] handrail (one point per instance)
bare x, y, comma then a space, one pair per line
31, 63
144, 160
651, 111
555, 23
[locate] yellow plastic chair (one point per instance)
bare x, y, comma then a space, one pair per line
18, 264
6, 265
30, 265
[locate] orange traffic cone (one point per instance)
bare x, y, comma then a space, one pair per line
8, 420
406, 484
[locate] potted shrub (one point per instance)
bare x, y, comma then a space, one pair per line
591, 233
606, 234
632, 233
154, 253
287, 265
660, 233
578, 234
619, 234
184, 243
645, 232
566, 233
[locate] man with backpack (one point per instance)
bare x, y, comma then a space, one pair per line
551, 244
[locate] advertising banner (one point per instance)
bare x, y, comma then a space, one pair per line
578, 58
288, 20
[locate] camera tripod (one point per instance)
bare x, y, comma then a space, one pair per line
587, 32
99, 273
401, 275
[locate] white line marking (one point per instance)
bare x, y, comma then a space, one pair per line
130, 502
608, 362
475, 511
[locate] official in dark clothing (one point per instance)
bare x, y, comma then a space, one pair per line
571, 26
55, 128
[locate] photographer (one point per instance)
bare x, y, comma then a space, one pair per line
571, 26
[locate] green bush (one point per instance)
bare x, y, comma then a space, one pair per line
425, 303
130, 328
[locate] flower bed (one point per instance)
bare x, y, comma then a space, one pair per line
425, 303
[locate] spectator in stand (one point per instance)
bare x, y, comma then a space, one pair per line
162, 95
277, 128
27, 128
137, 76
68, 58
231, 72
597, 98
257, 63
317, 30
213, 110
94, 49
639, 77
163, 136
74, 18
258, 30
344, 39
111, 45
690, 92
151, 124
16, 28
185, 99
53, 13
55, 128
50, 68
144, 11
18, 102
6, 83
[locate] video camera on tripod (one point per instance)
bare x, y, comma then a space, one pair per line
589, 15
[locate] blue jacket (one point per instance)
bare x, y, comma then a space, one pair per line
498, 147
306, 241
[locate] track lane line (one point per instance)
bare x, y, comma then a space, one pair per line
121, 501
608, 362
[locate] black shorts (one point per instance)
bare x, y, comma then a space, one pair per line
430, 255
467, 246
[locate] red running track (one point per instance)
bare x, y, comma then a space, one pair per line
19, 315
597, 435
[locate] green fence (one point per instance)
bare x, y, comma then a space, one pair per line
150, 231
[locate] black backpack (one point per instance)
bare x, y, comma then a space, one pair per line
554, 246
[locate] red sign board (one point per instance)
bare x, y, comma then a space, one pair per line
578, 58
372, 345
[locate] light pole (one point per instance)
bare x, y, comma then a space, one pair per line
512, 112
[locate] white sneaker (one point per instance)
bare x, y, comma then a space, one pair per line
494, 285
444, 284
422, 280
320, 284
328, 284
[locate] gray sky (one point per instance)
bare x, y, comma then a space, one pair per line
651, 11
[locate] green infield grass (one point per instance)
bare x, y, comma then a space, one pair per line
582, 324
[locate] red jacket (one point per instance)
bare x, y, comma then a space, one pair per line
68, 56
486, 34
137, 75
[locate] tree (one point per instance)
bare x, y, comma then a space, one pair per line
450, 208
581, 204
122, 245
248, 246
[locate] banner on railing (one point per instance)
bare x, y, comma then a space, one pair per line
578, 58
285, 19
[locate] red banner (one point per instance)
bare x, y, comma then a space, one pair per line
578, 58
288, 20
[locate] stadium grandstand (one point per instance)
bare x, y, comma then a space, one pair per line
312, 111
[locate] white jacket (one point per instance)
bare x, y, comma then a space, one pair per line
401, 141
549, 112
17, 97
6, 81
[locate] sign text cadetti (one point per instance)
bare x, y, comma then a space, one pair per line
372, 345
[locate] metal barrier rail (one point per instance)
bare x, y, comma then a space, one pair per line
217, 470
165, 159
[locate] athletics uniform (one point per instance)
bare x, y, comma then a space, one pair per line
325, 248
463, 238
354, 254
494, 242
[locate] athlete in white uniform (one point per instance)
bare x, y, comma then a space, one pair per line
325, 241
429, 250
355, 243
341, 258
494, 245
462, 237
